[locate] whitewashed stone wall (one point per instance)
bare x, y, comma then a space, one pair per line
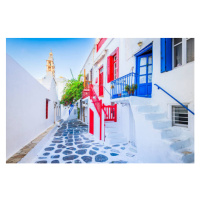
26, 107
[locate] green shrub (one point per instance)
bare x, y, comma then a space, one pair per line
72, 91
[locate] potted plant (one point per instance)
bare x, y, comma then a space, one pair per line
133, 88
127, 88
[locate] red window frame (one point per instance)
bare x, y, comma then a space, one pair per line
100, 43
110, 65
47, 108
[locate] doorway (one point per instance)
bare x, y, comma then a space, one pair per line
144, 69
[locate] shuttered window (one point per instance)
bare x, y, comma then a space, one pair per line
109, 69
113, 66
166, 54
179, 116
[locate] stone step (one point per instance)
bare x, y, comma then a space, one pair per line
187, 154
110, 129
110, 125
162, 124
148, 108
134, 100
112, 141
113, 135
155, 116
170, 133
188, 157
177, 143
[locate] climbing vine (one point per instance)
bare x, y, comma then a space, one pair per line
72, 91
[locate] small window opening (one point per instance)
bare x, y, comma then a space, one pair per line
179, 116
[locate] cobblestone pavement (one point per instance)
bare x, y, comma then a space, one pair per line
73, 144
23, 152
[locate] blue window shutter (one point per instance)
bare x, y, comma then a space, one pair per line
163, 58
168, 54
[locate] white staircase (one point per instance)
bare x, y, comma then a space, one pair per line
156, 133
112, 136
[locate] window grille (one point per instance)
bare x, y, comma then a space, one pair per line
179, 116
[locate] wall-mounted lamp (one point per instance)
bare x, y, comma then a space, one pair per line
139, 44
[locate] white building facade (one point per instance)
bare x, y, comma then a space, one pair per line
31, 107
145, 90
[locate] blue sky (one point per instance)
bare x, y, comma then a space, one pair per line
32, 53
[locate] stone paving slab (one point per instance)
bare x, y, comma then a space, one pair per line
73, 144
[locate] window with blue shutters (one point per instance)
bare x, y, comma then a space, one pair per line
166, 54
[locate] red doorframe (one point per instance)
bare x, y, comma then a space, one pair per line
91, 128
101, 81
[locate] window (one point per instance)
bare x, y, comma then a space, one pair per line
47, 108
113, 66
177, 52
190, 49
179, 116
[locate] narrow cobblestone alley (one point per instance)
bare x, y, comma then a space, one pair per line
73, 144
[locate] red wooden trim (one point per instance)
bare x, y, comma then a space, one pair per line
110, 112
100, 118
114, 52
85, 93
100, 43
91, 128
110, 65
115, 112
47, 108
100, 86
108, 69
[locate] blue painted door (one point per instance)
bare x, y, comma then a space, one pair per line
144, 69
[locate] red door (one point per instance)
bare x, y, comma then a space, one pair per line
91, 123
101, 81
